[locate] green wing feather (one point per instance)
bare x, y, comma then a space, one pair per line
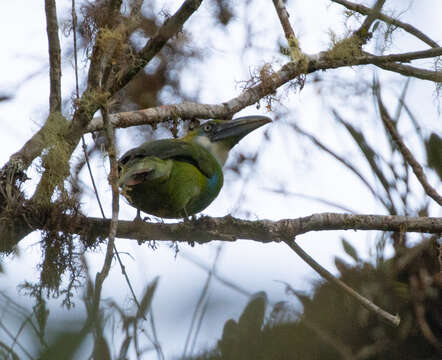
177, 150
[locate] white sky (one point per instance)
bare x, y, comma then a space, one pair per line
252, 265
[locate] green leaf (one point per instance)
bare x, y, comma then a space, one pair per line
350, 250
64, 346
252, 318
434, 153
147, 298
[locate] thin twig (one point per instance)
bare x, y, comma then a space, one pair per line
314, 198
369, 155
10, 351
406, 153
215, 275
392, 319
113, 175
389, 20
413, 71
200, 301
155, 341
22, 348
346, 163
199, 323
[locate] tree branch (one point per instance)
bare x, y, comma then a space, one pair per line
21, 160
207, 229
394, 320
407, 70
364, 31
407, 27
113, 225
293, 42
403, 57
54, 56
171, 26
266, 87
406, 153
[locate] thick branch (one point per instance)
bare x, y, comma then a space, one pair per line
269, 85
231, 229
407, 27
226, 228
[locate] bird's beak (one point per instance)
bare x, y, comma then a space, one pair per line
238, 128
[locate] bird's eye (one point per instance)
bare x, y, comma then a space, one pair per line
207, 127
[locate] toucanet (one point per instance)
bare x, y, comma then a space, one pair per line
176, 178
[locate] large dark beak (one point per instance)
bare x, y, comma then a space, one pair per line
238, 128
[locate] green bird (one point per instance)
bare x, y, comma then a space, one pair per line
176, 178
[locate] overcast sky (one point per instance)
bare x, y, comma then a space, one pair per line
255, 266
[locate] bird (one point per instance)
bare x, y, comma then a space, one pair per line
178, 178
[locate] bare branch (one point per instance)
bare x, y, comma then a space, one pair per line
162, 113
406, 153
34, 146
54, 56
407, 27
228, 228
403, 57
394, 320
295, 50
267, 86
372, 15
231, 229
407, 70
113, 176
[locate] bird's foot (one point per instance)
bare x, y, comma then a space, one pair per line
140, 220
190, 219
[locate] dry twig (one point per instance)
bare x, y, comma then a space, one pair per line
406, 153
389, 20
394, 320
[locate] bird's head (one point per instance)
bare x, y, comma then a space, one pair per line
219, 136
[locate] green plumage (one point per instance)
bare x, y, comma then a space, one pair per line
170, 178
176, 178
